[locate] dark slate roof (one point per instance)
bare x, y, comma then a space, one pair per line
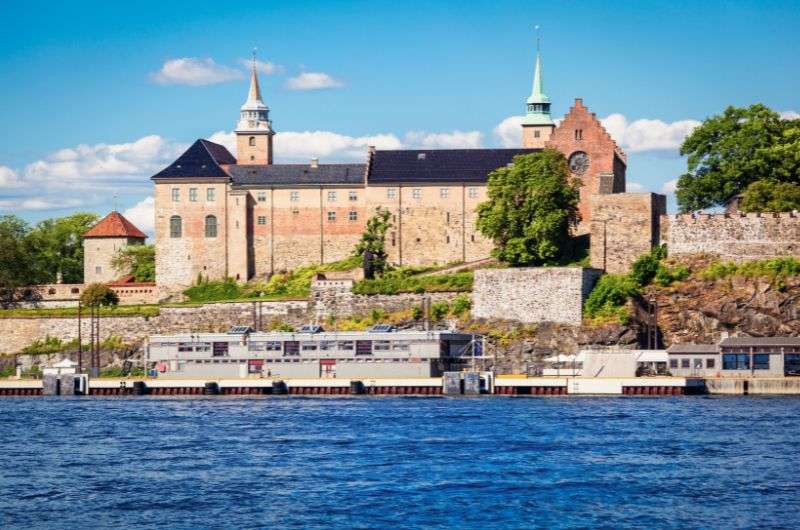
439, 165
690, 347
201, 160
293, 174
760, 341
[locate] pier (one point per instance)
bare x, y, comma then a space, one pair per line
484, 384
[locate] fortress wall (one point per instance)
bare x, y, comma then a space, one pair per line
733, 237
530, 295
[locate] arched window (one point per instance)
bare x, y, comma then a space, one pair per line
211, 226
175, 226
252, 141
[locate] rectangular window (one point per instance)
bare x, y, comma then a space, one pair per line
327, 345
761, 361
416, 193
536, 134
381, 345
391, 193
98, 269
444, 193
352, 196
685, 363
346, 345
192, 194
294, 196
331, 216
473, 193
710, 363
176, 194
211, 194
295, 211
261, 196
331, 196
352, 215
698, 363
309, 346
673, 363
735, 361
262, 220
401, 345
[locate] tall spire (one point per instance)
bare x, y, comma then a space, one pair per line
538, 104
254, 113
254, 129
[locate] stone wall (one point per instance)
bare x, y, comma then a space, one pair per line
733, 237
17, 333
529, 295
625, 226
334, 298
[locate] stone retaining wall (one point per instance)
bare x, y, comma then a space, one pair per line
529, 295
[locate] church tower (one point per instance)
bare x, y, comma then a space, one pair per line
254, 131
537, 126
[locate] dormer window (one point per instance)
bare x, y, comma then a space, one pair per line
420, 156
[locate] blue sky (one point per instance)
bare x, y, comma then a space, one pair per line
407, 73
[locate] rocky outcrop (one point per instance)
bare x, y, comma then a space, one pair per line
699, 310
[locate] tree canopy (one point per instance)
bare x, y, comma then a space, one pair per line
730, 151
531, 208
97, 294
771, 196
139, 260
373, 241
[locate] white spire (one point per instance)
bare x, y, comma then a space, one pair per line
254, 115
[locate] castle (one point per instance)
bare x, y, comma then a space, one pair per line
219, 215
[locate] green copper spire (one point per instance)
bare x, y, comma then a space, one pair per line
538, 104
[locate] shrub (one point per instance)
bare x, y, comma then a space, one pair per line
776, 270
405, 280
646, 266
609, 296
461, 305
439, 310
416, 313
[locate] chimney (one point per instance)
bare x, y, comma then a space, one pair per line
314, 163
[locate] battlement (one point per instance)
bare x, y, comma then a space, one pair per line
694, 217
733, 236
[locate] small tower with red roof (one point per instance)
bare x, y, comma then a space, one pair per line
102, 242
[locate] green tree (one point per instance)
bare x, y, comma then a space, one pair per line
771, 196
731, 150
16, 260
59, 247
531, 208
373, 240
139, 260
97, 294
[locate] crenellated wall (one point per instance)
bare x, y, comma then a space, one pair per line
733, 237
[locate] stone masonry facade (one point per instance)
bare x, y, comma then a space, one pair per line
532, 295
733, 237
624, 226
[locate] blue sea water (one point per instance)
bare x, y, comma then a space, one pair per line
395, 462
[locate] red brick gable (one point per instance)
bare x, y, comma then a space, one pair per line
580, 130
114, 225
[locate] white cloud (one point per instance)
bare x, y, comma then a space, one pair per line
509, 131
9, 178
669, 186
195, 72
109, 166
647, 135
265, 67
313, 81
634, 187
452, 140
39, 203
300, 146
790, 115
142, 214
